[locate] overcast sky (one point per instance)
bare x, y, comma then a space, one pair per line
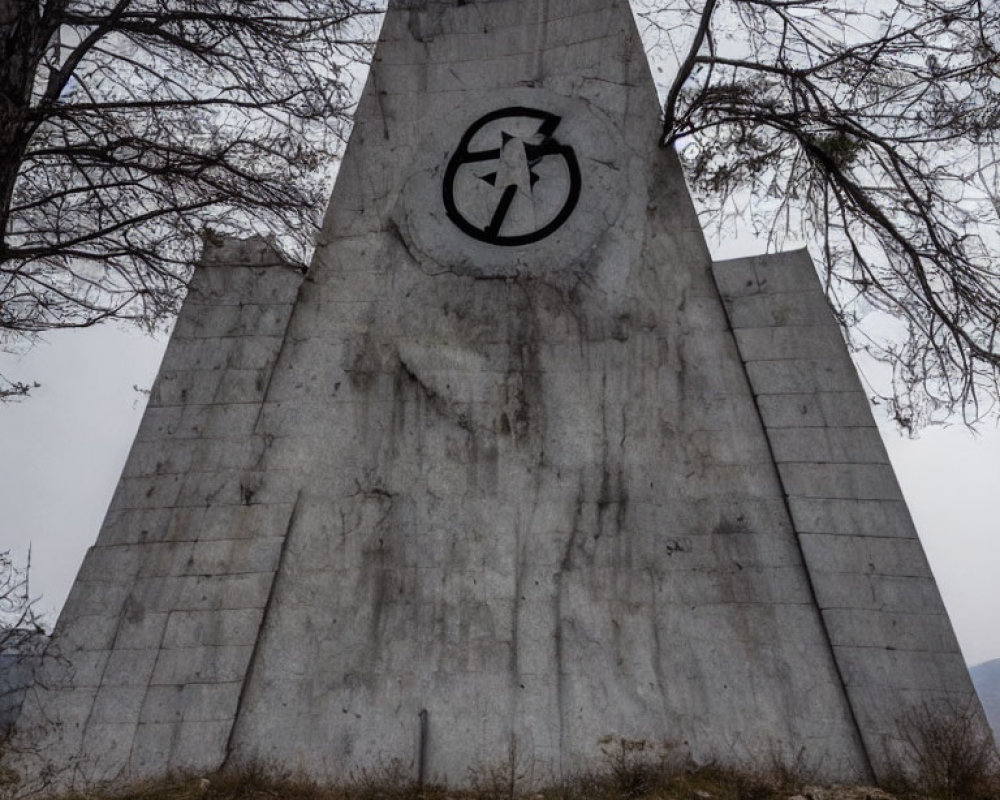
64, 448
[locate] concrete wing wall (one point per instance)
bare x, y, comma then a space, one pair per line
890, 633
151, 649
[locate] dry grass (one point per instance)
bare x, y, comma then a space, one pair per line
639, 780
633, 770
950, 756
631, 779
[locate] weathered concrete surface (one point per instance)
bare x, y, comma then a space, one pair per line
151, 649
523, 487
891, 637
537, 500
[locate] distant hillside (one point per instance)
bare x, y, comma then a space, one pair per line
986, 679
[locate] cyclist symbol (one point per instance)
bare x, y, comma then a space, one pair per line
518, 192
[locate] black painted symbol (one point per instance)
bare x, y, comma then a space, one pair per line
519, 192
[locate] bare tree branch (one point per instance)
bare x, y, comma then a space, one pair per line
873, 129
129, 126
18, 621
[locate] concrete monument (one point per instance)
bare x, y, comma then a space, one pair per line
513, 468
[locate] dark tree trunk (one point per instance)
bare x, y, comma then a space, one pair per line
26, 27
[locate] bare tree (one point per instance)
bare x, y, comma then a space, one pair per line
18, 620
871, 128
128, 126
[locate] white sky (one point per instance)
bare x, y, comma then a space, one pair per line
64, 448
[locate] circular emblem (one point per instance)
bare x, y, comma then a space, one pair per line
511, 182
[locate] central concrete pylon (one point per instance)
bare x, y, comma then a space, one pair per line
506, 474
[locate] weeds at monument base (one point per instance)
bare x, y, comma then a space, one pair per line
951, 758
953, 763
